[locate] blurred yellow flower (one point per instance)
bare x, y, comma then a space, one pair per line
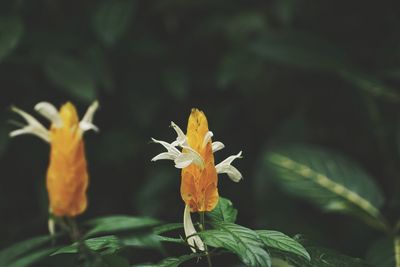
67, 176
199, 184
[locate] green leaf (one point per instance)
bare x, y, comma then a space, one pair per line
11, 30
71, 76
167, 227
383, 253
240, 240
104, 244
21, 249
321, 257
30, 258
114, 261
327, 179
224, 211
282, 242
172, 261
119, 223
111, 20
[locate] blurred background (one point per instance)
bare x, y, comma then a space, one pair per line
264, 72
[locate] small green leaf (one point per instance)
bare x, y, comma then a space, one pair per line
11, 30
116, 223
327, 179
17, 251
224, 211
104, 244
240, 240
172, 261
71, 76
282, 242
111, 20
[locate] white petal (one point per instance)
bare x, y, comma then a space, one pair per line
194, 240
216, 146
170, 148
51, 224
183, 160
164, 155
181, 138
87, 121
230, 159
231, 171
50, 112
207, 138
197, 159
34, 127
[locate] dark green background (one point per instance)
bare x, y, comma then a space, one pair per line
264, 72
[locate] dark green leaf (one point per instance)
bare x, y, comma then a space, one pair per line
321, 257
327, 179
171, 262
224, 211
167, 227
114, 261
111, 20
18, 250
30, 258
282, 242
105, 244
382, 253
116, 223
11, 29
240, 240
71, 76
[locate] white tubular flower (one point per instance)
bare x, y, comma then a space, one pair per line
194, 240
33, 127
226, 167
181, 139
216, 146
50, 112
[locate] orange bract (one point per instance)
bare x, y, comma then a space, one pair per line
67, 177
199, 184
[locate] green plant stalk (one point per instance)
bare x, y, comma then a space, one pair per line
397, 250
202, 228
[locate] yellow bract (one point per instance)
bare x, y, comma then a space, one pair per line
67, 176
199, 184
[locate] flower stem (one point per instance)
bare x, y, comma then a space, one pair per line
202, 228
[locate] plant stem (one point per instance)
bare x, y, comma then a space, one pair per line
202, 228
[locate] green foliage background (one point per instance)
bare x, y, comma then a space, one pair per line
265, 72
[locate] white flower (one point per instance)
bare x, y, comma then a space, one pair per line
193, 239
48, 111
226, 167
189, 155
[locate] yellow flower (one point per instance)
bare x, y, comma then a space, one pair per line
67, 176
199, 184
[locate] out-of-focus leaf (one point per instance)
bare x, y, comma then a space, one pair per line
117, 223
371, 85
321, 257
167, 227
171, 262
382, 253
224, 211
71, 76
11, 30
114, 261
20, 250
105, 244
111, 20
146, 240
300, 50
242, 241
282, 242
31, 258
97, 63
327, 179
176, 82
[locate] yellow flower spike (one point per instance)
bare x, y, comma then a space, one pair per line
67, 176
194, 154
